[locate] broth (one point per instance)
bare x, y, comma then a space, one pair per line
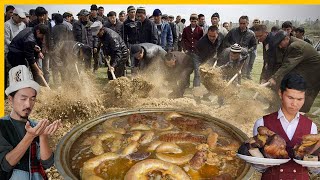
223, 158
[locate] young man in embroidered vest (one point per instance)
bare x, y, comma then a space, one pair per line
290, 125
24, 144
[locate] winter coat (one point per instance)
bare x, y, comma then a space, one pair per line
114, 46
147, 32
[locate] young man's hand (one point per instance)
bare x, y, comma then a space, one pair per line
38, 129
52, 128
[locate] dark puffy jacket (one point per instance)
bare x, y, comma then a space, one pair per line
151, 51
147, 32
130, 33
205, 49
245, 39
94, 19
49, 39
118, 27
114, 46
82, 33
21, 48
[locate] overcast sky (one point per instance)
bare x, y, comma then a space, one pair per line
227, 12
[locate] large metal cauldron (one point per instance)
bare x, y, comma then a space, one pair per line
63, 149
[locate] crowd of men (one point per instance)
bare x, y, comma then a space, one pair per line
135, 40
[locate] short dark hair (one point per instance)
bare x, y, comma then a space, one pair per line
32, 12
44, 29
183, 21
224, 23
293, 81
299, 29
9, 8
260, 27
275, 28
200, 16
58, 18
169, 56
122, 12
111, 13
100, 7
213, 28
40, 11
286, 24
244, 17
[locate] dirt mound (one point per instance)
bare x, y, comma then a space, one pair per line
123, 92
212, 79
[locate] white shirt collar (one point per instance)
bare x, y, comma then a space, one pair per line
280, 115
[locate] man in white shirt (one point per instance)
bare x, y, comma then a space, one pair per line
11, 28
290, 125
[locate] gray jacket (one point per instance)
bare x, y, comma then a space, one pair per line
82, 33
151, 51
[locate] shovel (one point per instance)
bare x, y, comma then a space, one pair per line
261, 85
236, 75
111, 71
75, 64
44, 81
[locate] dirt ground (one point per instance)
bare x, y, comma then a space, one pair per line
75, 103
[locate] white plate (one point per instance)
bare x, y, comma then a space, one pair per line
308, 163
263, 161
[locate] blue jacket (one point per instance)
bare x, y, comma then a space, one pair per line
165, 38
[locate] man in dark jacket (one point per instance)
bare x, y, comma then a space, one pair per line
101, 13
47, 46
174, 32
179, 66
113, 46
114, 24
130, 32
82, 33
24, 48
300, 34
301, 58
68, 54
269, 63
94, 14
147, 30
243, 36
210, 45
60, 33
144, 54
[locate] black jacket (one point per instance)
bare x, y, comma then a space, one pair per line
114, 46
245, 39
147, 32
118, 27
130, 33
205, 49
82, 33
49, 39
21, 48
